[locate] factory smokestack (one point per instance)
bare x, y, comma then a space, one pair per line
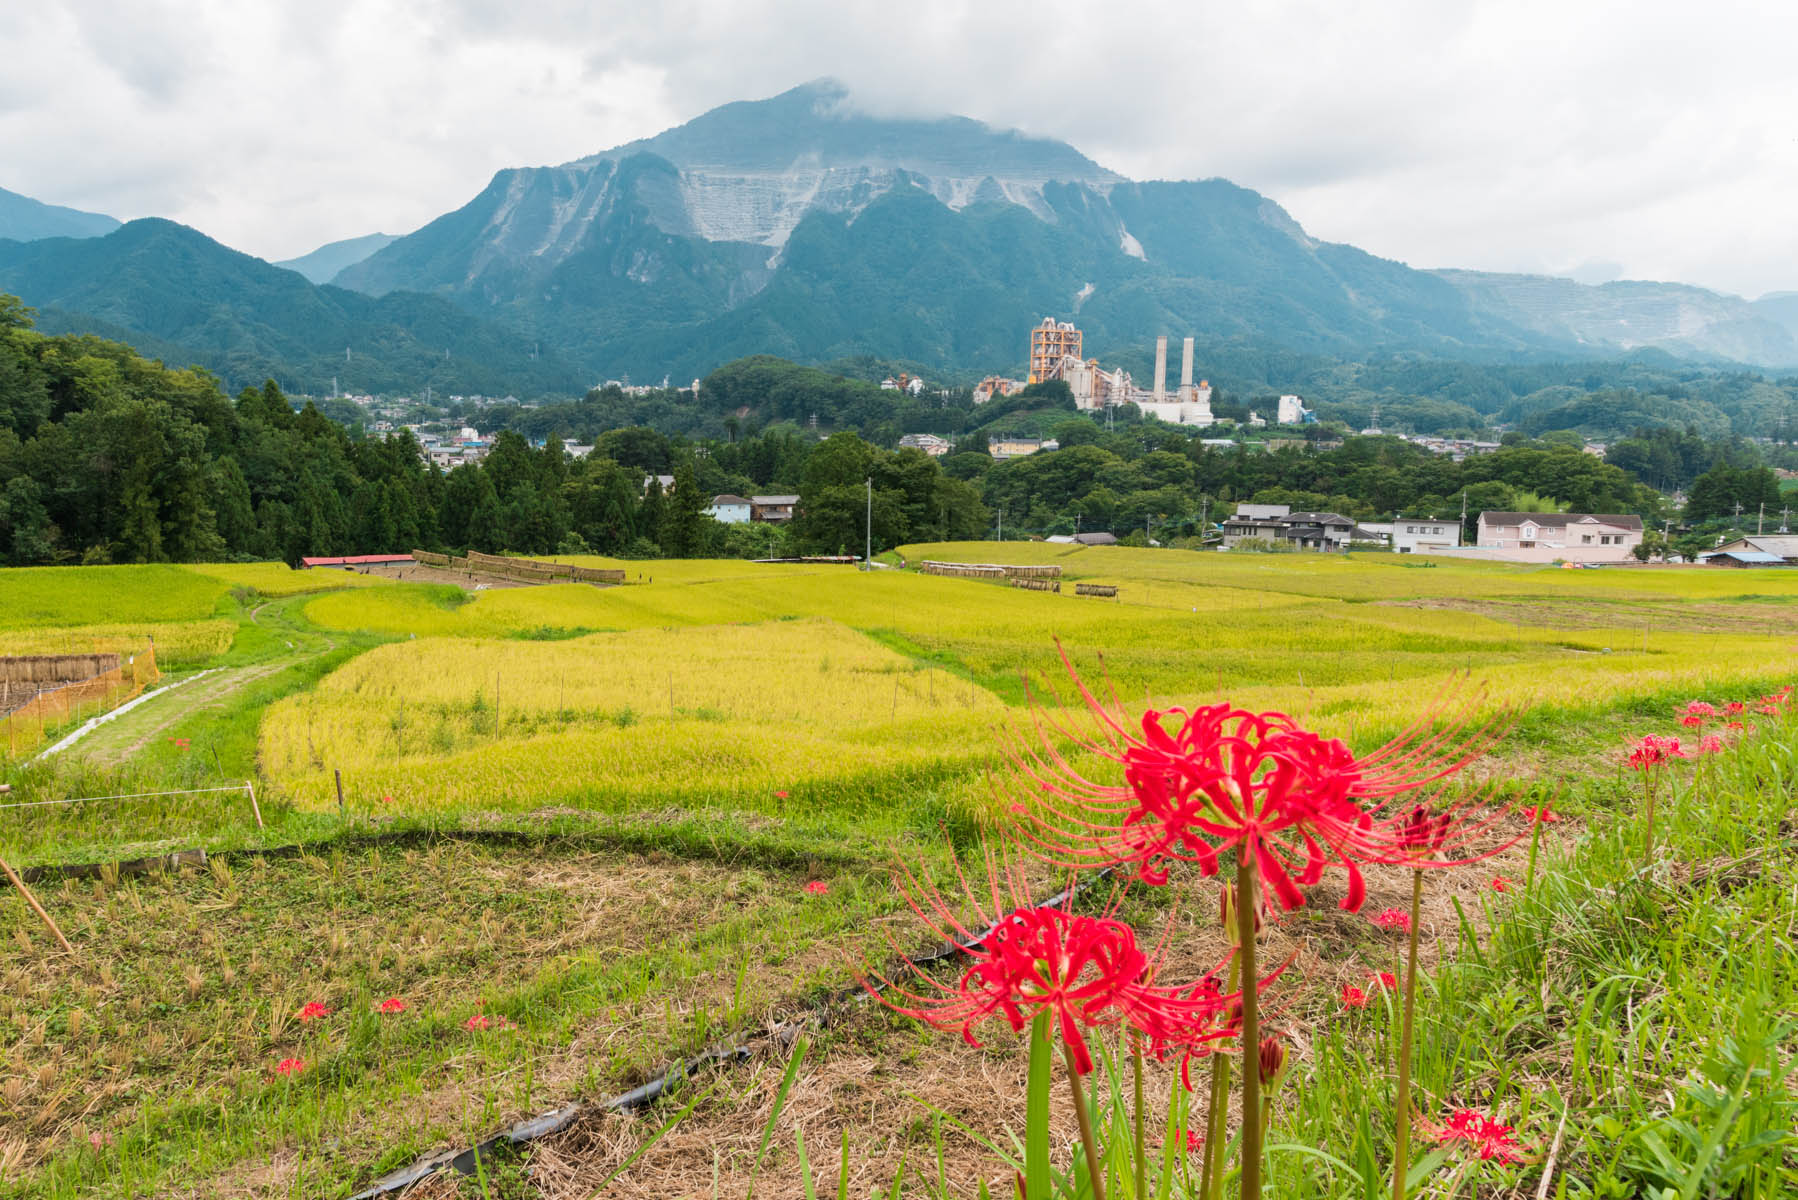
1161, 367
1186, 365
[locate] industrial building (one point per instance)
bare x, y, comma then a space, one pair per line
1055, 354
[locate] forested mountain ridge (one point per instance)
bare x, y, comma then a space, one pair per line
184, 297
799, 226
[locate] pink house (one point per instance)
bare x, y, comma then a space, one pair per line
1569, 537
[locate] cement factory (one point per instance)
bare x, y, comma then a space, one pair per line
1055, 353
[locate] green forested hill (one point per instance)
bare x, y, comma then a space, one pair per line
178, 293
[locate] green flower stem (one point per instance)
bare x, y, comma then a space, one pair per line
1211, 1182
1142, 1150
1093, 1171
1401, 1152
1251, 1028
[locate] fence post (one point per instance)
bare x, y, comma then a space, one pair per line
338, 775
250, 786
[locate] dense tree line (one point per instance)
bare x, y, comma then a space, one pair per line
105, 456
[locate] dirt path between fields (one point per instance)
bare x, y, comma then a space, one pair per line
116, 740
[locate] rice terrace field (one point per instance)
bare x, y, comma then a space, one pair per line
513, 851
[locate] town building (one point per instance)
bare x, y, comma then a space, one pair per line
1415, 535
729, 510
1055, 354
666, 482
1003, 447
1566, 537
1259, 521
995, 385
772, 508
1317, 530
929, 443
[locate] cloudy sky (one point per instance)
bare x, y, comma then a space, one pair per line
1638, 140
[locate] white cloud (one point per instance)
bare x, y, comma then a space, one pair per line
1524, 135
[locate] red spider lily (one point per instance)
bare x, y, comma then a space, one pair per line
1195, 1141
1654, 750
1087, 971
817, 887
1734, 708
1764, 709
312, 1010
393, 1004
1501, 884
1273, 1061
780, 795
1735, 726
1691, 722
290, 1066
1353, 997
1492, 1140
1221, 779
1393, 918
1710, 743
1699, 708
1385, 979
386, 799
481, 1021
1530, 812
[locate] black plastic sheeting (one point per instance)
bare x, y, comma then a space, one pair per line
463, 1161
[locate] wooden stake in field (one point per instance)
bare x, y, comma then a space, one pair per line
35, 906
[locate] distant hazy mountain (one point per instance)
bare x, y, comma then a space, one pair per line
23, 219
1628, 315
1780, 308
173, 291
800, 226
324, 263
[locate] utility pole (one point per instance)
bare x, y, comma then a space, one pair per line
1760, 519
1001, 522
1784, 516
868, 551
1204, 521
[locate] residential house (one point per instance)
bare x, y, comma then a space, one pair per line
772, 508
666, 482
1379, 533
1100, 538
729, 510
1566, 537
1782, 548
1260, 521
1418, 535
1317, 531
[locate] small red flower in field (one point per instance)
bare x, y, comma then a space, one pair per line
478, 1021
386, 799
817, 887
780, 795
1532, 813
97, 1139
1765, 710
1492, 1140
1734, 726
290, 1066
1735, 708
1500, 883
312, 1011
393, 1004
1386, 979
1691, 722
1699, 708
1393, 918
1654, 750
1353, 997
1710, 743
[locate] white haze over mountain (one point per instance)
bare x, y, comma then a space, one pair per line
1638, 140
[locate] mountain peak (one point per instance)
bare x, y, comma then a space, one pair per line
820, 126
